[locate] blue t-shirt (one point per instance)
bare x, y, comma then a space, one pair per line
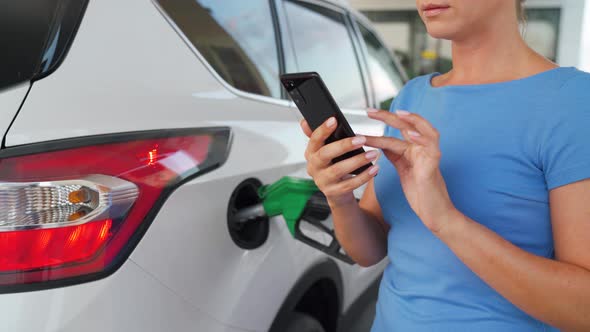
504, 147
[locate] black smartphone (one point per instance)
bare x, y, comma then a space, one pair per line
317, 105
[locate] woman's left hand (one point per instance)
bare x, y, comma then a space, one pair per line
416, 159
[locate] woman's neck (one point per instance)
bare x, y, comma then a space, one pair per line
493, 55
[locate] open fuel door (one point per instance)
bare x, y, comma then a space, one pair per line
304, 209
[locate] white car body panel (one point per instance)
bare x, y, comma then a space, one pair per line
187, 248
129, 300
171, 81
10, 101
186, 274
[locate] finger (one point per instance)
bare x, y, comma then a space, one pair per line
430, 144
392, 144
305, 127
347, 166
416, 137
340, 147
319, 136
371, 109
390, 119
406, 135
422, 125
393, 148
352, 183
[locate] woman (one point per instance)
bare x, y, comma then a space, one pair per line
482, 199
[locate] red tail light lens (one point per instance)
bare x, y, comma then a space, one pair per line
72, 211
44, 248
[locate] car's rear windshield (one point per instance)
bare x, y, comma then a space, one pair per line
35, 36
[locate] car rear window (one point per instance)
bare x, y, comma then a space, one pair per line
237, 38
323, 43
386, 79
35, 36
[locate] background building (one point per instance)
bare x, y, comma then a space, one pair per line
558, 29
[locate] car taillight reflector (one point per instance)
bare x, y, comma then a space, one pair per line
75, 213
44, 248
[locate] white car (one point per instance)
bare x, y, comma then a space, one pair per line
133, 129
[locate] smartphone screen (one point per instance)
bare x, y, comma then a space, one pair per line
316, 104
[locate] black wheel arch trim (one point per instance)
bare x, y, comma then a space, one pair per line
325, 269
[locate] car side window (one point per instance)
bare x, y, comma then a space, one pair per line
386, 79
237, 39
322, 43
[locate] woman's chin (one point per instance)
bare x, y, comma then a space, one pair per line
440, 31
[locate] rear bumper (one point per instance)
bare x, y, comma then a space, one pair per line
130, 300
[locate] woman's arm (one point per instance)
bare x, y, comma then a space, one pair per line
554, 291
360, 228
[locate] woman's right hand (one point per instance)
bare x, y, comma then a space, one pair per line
333, 179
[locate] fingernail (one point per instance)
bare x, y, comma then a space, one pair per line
371, 154
331, 122
372, 110
414, 133
402, 113
359, 140
373, 170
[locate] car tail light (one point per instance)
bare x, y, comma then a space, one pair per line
72, 211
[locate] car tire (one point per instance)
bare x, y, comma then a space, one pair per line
300, 322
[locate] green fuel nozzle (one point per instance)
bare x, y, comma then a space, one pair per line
296, 200
288, 197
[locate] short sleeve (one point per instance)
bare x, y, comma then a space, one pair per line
389, 131
565, 154
403, 100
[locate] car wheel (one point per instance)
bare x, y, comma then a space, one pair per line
300, 322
